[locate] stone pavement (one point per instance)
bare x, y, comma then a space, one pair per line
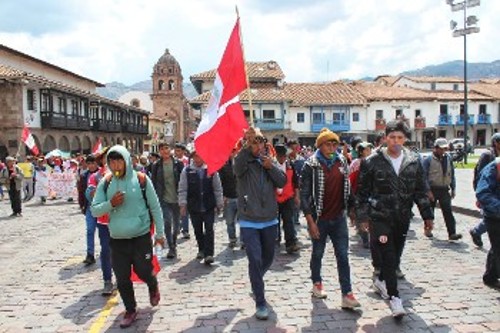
45, 288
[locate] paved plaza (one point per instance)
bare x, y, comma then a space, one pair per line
45, 287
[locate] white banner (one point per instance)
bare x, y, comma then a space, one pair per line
60, 185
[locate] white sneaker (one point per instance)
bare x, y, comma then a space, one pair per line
317, 290
397, 307
380, 288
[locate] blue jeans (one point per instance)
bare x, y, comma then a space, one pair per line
336, 229
91, 226
105, 256
171, 219
230, 215
479, 228
185, 223
259, 246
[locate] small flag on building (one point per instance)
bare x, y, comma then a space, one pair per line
29, 141
97, 147
223, 122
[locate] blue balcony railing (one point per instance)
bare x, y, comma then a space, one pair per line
445, 120
270, 124
332, 125
484, 118
460, 119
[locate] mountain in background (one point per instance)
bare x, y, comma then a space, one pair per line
475, 71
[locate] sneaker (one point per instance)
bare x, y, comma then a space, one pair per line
292, 248
13, 215
108, 288
317, 290
380, 288
454, 237
399, 274
128, 319
397, 307
200, 255
154, 297
428, 233
476, 239
172, 253
89, 260
350, 302
185, 235
209, 260
262, 312
19, 215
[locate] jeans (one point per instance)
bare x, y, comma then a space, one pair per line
205, 239
230, 215
136, 252
443, 196
492, 273
171, 219
336, 229
259, 247
91, 226
28, 188
285, 213
479, 228
15, 200
105, 256
185, 224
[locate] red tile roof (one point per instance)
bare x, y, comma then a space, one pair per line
256, 70
491, 90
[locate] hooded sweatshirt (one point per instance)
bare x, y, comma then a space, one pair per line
130, 219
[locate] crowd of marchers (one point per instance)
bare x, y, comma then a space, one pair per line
139, 204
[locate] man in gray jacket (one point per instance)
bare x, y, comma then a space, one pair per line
12, 177
257, 179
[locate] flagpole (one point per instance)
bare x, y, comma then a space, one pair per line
249, 92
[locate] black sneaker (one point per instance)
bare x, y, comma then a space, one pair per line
89, 260
476, 239
108, 288
172, 253
455, 237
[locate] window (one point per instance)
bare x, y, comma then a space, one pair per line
268, 114
455, 86
170, 70
171, 85
399, 113
46, 102
31, 99
462, 110
300, 117
433, 86
418, 113
379, 114
62, 105
318, 118
161, 85
443, 109
74, 107
482, 108
355, 117
247, 114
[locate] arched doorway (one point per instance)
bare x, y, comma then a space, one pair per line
49, 144
64, 144
86, 145
76, 146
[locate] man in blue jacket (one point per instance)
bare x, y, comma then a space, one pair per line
488, 195
121, 196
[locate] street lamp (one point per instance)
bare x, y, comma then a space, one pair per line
469, 27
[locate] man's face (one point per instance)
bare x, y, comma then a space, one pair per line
439, 151
117, 167
92, 166
258, 147
197, 160
328, 148
395, 141
497, 145
293, 152
9, 164
179, 152
165, 152
281, 158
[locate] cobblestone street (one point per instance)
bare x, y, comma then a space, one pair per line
46, 288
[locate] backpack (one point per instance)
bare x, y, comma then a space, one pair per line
141, 177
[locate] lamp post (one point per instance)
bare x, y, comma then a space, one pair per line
469, 27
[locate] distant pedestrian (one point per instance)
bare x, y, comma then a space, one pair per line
488, 195
257, 178
324, 197
440, 174
12, 177
228, 180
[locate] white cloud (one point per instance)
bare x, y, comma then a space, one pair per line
113, 40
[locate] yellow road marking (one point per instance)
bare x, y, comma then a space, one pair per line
104, 314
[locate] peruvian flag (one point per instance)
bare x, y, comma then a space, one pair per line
223, 122
97, 147
29, 141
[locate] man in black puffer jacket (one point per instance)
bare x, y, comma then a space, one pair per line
390, 181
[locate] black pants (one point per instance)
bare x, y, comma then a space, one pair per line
15, 200
390, 252
443, 196
136, 252
205, 239
492, 273
285, 213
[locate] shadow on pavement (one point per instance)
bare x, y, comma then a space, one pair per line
141, 324
192, 271
252, 324
460, 246
409, 323
325, 319
220, 320
282, 260
69, 271
86, 309
228, 255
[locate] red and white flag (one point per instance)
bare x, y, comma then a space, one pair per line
97, 147
29, 141
223, 122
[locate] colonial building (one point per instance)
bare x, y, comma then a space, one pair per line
169, 103
432, 107
61, 108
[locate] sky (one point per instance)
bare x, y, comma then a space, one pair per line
312, 40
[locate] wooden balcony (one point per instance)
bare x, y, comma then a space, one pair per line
419, 123
380, 124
